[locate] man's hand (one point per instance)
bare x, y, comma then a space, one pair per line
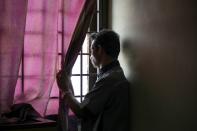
63, 81
65, 85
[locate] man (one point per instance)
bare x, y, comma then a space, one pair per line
106, 106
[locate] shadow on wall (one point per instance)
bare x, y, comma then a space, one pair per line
163, 87
138, 90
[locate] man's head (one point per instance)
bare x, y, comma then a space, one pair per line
105, 46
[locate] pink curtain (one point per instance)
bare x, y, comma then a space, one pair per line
12, 25
31, 28
40, 54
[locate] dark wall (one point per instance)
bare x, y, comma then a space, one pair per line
163, 36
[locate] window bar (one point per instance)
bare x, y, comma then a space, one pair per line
22, 70
81, 76
62, 59
62, 44
85, 54
98, 17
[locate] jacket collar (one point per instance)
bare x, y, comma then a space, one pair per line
108, 67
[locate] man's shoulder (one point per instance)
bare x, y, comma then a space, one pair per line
115, 74
112, 78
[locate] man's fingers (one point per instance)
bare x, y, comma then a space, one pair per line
61, 74
63, 79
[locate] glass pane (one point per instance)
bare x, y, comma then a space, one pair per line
78, 99
29, 65
76, 84
86, 45
76, 67
85, 84
86, 64
34, 22
33, 43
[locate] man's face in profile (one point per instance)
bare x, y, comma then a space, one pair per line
94, 55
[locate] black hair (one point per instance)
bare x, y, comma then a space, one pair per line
108, 40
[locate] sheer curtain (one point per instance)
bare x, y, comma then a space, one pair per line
29, 39
12, 25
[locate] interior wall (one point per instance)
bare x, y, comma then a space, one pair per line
159, 46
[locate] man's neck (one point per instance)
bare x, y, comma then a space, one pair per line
109, 66
105, 62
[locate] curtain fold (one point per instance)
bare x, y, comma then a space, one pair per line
40, 54
12, 25
75, 41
